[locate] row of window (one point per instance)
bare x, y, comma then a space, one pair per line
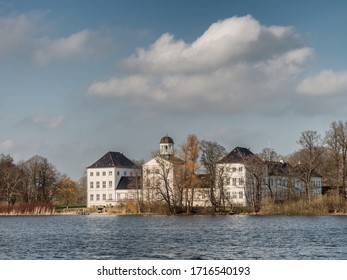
235, 195
234, 181
124, 196
103, 173
98, 196
91, 173
104, 183
234, 169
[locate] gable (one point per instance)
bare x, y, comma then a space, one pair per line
113, 159
238, 155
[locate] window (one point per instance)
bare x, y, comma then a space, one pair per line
104, 173
91, 173
234, 181
98, 185
240, 169
117, 173
104, 184
110, 184
97, 173
104, 196
91, 185
233, 195
228, 181
98, 197
234, 169
240, 181
125, 173
110, 196
110, 173
91, 198
240, 195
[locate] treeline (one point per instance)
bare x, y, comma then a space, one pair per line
36, 181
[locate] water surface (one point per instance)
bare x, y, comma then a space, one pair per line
170, 237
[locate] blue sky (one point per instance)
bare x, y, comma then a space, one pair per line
80, 78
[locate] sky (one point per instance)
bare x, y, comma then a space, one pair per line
81, 78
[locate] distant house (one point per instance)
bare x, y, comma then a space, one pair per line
112, 179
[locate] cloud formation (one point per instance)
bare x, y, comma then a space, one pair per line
236, 64
44, 121
24, 35
327, 82
17, 33
6, 145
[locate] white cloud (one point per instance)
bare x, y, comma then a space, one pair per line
79, 44
27, 35
44, 121
17, 33
327, 82
236, 64
6, 145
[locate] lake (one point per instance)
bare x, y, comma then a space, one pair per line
103, 237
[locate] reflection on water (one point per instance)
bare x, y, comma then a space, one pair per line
170, 237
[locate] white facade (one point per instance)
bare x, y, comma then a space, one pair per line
236, 186
157, 173
102, 184
273, 178
103, 181
234, 177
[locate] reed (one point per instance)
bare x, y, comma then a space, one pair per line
27, 208
321, 205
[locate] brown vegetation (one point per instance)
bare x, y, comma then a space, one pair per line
26, 208
320, 205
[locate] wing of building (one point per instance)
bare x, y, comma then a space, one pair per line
111, 179
243, 171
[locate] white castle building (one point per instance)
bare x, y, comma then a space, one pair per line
114, 178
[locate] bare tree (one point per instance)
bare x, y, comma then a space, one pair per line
269, 154
256, 173
309, 158
67, 192
186, 174
41, 183
11, 179
334, 154
211, 153
342, 139
160, 183
82, 190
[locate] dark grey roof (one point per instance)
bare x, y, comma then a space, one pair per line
300, 172
128, 183
238, 155
166, 140
113, 159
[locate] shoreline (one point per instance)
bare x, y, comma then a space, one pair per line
176, 215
